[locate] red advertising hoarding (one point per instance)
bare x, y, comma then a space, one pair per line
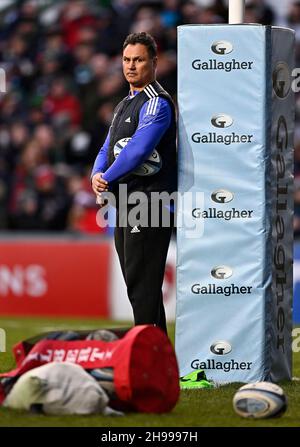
54, 278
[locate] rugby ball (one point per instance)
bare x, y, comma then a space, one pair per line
149, 167
260, 400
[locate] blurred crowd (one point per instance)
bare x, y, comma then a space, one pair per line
62, 60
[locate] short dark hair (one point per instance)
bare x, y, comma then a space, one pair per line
144, 39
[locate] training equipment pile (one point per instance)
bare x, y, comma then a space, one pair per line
136, 370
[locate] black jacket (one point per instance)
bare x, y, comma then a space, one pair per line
166, 178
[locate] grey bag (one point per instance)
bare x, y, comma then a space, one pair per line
60, 388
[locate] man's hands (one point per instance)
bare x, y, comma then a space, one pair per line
99, 184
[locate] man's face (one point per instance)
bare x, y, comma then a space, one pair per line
138, 67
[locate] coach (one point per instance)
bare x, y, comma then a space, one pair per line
146, 119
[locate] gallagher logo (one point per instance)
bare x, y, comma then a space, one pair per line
281, 80
221, 120
221, 272
221, 347
222, 47
222, 196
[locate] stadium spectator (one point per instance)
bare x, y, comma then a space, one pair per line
61, 106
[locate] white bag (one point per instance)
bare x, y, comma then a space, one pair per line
61, 388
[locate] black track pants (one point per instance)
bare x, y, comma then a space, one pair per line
142, 253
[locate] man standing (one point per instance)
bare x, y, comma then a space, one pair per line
146, 119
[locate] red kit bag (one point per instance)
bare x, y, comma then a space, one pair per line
146, 376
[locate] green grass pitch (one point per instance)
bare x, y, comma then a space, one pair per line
196, 408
